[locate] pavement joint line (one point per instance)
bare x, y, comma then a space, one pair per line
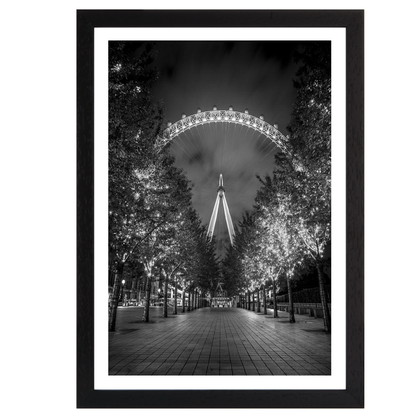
224, 336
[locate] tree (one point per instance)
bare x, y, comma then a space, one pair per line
170, 201
134, 124
310, 136
205, 269
310, 125
297, 196
271, 254
281, 242
235, 268
181, 250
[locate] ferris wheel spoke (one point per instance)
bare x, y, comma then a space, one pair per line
232, 149
196, 141
191, 142
183, 147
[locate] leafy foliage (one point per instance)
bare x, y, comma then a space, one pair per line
151, 219
292, 224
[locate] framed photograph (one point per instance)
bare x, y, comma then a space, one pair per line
215, 91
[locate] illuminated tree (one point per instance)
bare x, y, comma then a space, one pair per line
281, 242
271, 254
170, 200
134, 123
161, 197
295, 201
239, 264
310, 137
206, 268
310, 125
180, 252
235, 279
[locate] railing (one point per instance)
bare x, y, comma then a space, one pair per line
306, 296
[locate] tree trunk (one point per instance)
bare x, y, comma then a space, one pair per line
146, 311
258, 300
189, 299
291, 311
112, 310
275, 314
248, 301
324, 300
165, 298
175, 306
264, 301
183, 298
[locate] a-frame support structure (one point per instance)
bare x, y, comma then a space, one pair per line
221, 197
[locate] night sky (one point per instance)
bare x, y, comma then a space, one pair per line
257, 76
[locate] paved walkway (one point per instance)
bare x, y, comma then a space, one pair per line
218, 341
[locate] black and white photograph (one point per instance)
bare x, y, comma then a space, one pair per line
207, 207
219, 208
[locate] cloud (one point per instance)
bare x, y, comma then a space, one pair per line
252, 75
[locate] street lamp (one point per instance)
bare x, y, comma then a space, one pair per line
122, 290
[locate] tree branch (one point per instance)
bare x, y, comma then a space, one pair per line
127, 255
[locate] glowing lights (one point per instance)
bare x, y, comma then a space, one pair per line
228, 220
116, 67
225, 116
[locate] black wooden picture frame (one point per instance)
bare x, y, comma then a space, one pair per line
353, 395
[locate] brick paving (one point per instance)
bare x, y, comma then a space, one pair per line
218, 341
